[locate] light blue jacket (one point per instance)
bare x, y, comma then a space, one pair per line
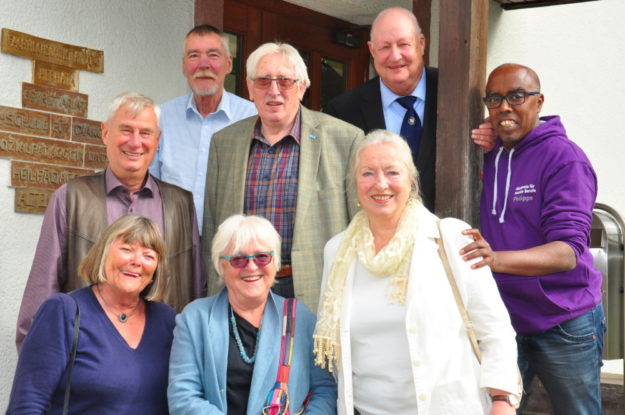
199, 360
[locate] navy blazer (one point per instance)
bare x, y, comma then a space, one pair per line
362, 107
199, 360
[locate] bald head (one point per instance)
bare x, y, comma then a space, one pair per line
529, 73
391, 14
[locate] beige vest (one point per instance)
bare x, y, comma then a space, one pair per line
86, 222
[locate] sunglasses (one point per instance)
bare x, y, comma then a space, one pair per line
240, 261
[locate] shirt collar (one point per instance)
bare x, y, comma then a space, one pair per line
295, 130
388, 96
224, 105
112, 183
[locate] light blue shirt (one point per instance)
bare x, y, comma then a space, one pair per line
182, 156
393, 112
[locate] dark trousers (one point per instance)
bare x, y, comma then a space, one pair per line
284, 286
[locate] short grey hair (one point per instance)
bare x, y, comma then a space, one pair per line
403, 150
136, 104
205, 30
284, 49
239, 230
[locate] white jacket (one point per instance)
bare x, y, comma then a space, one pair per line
447, 376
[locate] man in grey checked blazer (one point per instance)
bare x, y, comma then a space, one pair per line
325, 202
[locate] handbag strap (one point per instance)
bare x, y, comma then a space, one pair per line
72, 358
454, 288
288, 339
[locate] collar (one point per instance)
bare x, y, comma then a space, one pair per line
389, 97
294, 132
112, 183
224, 105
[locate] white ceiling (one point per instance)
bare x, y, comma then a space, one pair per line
360, 12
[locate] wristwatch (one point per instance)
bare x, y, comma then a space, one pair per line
511, 399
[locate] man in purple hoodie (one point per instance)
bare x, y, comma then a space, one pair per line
536, 211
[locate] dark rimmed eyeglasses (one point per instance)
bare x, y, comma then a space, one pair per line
283, 83
514, 98
240, 261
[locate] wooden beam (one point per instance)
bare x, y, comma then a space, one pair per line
422, 9
209, 12
462, 67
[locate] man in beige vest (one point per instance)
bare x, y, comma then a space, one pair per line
79, 211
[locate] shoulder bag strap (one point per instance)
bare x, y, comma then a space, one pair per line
72, 358
454, 288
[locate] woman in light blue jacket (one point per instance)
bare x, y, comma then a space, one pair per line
226, 348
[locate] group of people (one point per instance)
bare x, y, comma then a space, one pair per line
332, 287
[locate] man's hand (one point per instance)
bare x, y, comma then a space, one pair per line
478, 248
484, 136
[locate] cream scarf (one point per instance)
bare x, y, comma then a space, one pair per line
392, 261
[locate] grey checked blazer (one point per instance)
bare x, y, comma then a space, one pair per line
326, 199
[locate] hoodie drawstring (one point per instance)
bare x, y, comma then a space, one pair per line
494, 211
507, 190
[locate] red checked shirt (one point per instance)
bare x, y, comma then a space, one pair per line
271, 182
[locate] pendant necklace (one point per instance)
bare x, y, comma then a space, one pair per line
237, 338
122, 317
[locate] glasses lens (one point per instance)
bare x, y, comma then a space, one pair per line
493, 101
239, 261
262, 258
516, 98
262, 83
285, 83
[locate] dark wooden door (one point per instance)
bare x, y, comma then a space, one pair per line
332, 67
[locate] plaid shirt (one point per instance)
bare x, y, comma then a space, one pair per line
271, 182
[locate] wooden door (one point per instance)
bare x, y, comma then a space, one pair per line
332, 67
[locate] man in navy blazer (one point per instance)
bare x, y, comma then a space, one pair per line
396, 46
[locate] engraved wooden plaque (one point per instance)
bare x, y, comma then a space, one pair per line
45, 73
28, 46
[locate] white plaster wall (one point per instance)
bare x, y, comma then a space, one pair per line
142, 44
577, 51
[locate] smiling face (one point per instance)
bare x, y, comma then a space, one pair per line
277, 108
250, 285
513, 123
131, 141
397, 51
129, 268
383, 183
205, 63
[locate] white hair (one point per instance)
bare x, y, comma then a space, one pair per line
239, 230
403, 151
284, 49
135, 102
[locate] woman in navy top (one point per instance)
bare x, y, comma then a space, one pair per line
124, 338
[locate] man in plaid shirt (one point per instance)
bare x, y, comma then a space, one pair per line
289, 165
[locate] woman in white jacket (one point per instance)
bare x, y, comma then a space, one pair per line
388, 325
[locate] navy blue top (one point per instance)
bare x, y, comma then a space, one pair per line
109, 376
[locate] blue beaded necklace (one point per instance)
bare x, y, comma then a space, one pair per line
237, 337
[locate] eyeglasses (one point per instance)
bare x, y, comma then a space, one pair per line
514, 98
240, 261
283, 83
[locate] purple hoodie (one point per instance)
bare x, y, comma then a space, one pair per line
543, 190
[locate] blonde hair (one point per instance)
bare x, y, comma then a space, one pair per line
130, 229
